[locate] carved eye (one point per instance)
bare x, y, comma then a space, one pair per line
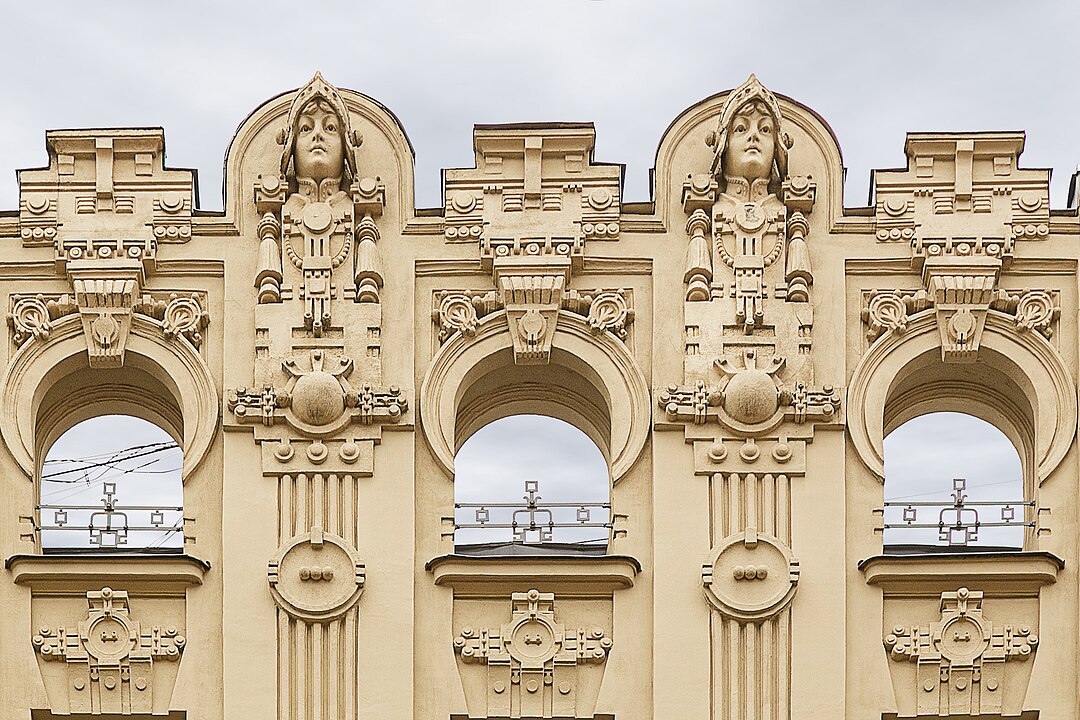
766, 128
740, 128
331, 127
305, 128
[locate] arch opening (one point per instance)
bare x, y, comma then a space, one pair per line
531, 483
591, 382
953, 482
111, 482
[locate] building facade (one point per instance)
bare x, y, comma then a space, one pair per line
738, 348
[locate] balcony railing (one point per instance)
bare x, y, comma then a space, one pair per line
958, 521
110, 524
534, 522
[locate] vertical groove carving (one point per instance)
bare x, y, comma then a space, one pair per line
317, 661
750, 660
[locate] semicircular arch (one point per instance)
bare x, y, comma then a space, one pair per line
38, 406
1025, 390
592, 382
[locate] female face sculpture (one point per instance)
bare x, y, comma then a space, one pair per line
319, 153
751, 143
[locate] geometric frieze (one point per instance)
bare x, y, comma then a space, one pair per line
530, 205
112, 660
528, 177
316, 576
965, 664
532, 666
962, 205
750, 576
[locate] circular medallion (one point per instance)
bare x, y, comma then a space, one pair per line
108, 638
317, 217
316, 576
750, 576
532, 640
750, 217
961, 639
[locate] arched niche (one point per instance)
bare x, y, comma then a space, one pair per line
49, 387
682, 151
592, 382
1020, 385
385, 152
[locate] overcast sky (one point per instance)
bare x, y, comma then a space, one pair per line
873, 70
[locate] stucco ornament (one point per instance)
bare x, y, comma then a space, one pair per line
317, 212
536, 666
318, 143
964, 663
115, 664
749, 143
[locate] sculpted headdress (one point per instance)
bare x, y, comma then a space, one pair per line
318, 89
748, 92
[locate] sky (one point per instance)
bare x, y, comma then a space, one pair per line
873, 70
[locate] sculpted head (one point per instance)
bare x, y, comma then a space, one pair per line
320, 142
749, 142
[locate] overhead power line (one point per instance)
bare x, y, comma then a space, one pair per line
161, 447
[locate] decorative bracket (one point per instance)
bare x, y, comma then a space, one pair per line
962, 290
531, 290
111, 658
961, 658
106, 293
536, 666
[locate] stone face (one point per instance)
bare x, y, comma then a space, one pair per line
738, 348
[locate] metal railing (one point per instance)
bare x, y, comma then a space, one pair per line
534, 522
958, 521
108, 525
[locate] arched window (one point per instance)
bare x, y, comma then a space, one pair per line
112, 482
953, 481
531, 480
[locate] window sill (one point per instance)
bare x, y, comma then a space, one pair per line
581, 574
149, 574
1013, 574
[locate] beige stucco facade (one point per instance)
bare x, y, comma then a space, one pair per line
737, 348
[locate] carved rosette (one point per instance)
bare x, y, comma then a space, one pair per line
604, 310
316, 576
889, 311
532, 666
964, 663
750, 576
113, 661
